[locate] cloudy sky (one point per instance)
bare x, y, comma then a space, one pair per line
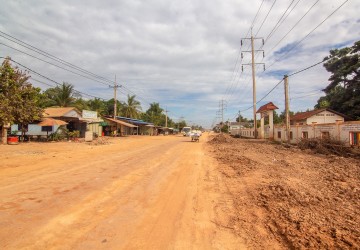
183, 54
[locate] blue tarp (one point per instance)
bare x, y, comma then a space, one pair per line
134, 121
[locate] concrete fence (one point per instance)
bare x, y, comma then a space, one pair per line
348, 132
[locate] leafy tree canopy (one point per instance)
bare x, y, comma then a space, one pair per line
155, 115
343, 92
61, 96
131, 108
19, 100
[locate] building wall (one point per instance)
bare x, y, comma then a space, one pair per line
324, 117
247, 132
33, 129
95, 128
340, 131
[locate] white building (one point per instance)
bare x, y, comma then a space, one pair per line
317, 116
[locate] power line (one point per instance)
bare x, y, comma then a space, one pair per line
266, 17
312, 94
53, 64
297, 72
237, 59
276, 25
289, 50
47, 78
48, 55
294, 25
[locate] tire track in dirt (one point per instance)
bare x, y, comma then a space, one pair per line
288, 199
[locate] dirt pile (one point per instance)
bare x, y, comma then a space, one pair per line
286, 198
221, 138
328, 146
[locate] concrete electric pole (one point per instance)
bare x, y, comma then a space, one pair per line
287, 117
115, 101
253, 63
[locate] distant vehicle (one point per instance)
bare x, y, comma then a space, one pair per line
186, 131
195, 135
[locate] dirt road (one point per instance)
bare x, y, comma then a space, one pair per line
286, 198
166, 192
133, 193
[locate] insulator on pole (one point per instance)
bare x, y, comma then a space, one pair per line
242, 55
263, 53
241, 42
264, 67
242, 68
263, 41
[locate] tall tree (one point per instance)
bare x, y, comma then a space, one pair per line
62, 96
97, 105
343, 92
19, 100
154, 114
109, 107
81, 104
132, 107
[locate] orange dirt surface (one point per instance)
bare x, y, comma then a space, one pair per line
136, 192
285, 198
166, 192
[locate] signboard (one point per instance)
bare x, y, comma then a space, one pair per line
351, 127
87, 114
324, 127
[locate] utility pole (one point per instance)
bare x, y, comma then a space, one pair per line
222, 108
253, 63
287, 117
115, 101
166, 111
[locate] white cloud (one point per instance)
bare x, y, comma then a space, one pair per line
179, 53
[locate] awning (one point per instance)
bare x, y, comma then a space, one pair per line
121, 122
91, 120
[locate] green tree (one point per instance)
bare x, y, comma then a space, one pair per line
109, 107
19, 100
154, 114
97, 105
81, 104
131, 108
343, 92
62, 96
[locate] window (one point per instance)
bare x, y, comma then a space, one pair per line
291, 135
25, 127
304, 135
325, 135
279, 134
46, 128
355, 138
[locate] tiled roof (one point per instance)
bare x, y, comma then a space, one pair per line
267, 107
58, 112
305, 115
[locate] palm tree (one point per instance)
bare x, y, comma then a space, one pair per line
97, 105
66, 95
132, 107
61, 96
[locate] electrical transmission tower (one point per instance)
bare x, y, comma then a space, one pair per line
220, 113
253, 63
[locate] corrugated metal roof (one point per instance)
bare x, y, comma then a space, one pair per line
135, 121
58, 112
121, 122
